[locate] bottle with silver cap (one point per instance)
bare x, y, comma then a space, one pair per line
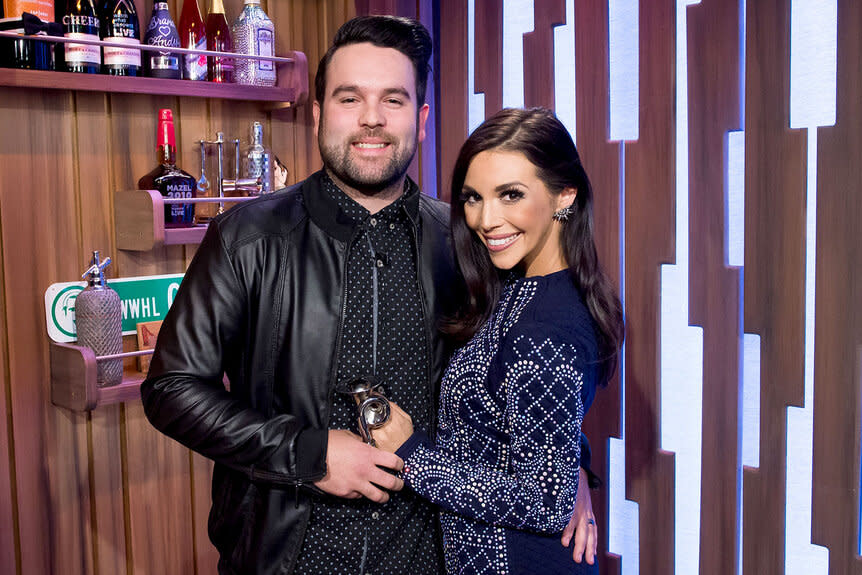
98, 320
257, 160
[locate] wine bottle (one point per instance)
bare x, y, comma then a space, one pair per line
193, 35
220, 68
120, 26
253, 33
162, 32
257, 159
82, 23
168, 179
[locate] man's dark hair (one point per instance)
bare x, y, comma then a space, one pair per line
406, 35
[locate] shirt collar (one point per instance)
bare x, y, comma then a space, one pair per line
351, 212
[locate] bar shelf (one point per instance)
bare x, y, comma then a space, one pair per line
139, 217
291, 88
73, 378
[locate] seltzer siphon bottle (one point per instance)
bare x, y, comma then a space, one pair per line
99, 322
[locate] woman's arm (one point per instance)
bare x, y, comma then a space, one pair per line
543, 385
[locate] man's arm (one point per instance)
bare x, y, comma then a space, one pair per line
184, 396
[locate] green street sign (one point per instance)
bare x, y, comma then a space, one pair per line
145, 298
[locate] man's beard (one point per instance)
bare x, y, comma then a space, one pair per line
369, 180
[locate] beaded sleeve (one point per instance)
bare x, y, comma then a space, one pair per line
542, 384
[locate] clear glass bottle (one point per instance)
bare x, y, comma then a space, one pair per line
254, 34
257, 159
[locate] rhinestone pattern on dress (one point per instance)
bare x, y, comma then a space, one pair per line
508, 446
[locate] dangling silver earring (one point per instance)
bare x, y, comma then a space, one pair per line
562, 215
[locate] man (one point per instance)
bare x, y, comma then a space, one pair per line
343, 275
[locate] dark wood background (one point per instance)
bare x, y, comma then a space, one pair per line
103, 493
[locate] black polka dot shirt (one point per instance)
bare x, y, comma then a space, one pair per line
358, 536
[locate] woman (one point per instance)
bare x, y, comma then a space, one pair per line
542, 327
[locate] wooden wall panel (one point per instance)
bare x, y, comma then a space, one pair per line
539, 53
713, 110
838, 337
601, 159
488, 54
649, 233
95, 196
52, 482
775, 270
8, 491
104, 492
452, 89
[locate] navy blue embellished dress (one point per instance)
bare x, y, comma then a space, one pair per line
504, 467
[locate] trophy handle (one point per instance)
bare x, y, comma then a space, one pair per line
374, 412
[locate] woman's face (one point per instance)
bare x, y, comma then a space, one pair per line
511, 211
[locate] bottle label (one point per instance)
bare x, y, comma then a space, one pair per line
160, 62
195, 65
264, 48
82, 53
181, 190
122, 56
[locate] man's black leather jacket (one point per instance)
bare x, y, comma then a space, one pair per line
262, 302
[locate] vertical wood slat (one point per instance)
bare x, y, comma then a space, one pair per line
488, 53
601, 161
8, 491
95, 197
453, 89
775, 168
713, 110
539, 53
649, 242
838, 327
52, 485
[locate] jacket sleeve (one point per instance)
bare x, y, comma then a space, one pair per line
184, 395
543, 380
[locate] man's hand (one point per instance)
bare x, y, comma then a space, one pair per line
353, 469
397, 430
583, 524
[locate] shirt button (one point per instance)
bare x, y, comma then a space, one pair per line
375, 515
380, 263
373, 221
391, 226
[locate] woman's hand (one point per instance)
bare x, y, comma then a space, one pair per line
396, 431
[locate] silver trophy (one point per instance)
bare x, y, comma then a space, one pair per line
372, 405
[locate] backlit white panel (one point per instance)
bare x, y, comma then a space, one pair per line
623, 530
735, 224
517, 21
801, 557
813, 66
682, 346
564, 70
623, 68
813, 62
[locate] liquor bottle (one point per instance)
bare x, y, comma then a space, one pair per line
99, 322
82, 23
168, 179
253, 33
220, 69
162, 32
193, 35
257, 160
120, 26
